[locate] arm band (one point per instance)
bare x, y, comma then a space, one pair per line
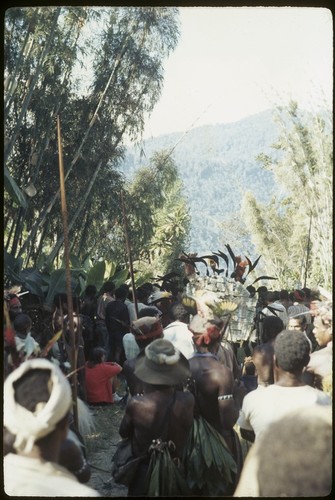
228, 396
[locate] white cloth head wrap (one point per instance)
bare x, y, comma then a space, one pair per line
29, 426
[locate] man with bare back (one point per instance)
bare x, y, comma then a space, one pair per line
216, 411
263, 353
159, 419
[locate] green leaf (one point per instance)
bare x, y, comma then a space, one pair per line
15, 264
120, 277
75, 262
95, 275
110, 270
13, 190
58, 284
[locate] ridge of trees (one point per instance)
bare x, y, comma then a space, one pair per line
263, 185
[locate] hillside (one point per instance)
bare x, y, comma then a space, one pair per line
217, 165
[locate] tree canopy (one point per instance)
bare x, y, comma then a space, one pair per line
44, 49
295, 233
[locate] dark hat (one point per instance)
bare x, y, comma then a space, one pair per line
148, 327
160, 363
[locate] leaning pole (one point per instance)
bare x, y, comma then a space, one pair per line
73, 343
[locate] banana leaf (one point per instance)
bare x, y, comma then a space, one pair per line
13, 190
165, 478
209, 465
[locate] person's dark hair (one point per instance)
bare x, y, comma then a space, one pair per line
315, 295
95, 356
270, 296
250, 368
60, 299
291, 296
291, 349
22, 323
32, 388
261, 292
142, 294
272, 325
147, 311
177, 312
121, 293
299, 295
108, 286
302, 320
125, 287
295, 456
307, 292
90, 291
148, 287
283, 295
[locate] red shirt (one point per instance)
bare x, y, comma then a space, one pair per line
99, 383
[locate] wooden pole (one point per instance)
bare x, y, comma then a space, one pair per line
131, 270
68, 277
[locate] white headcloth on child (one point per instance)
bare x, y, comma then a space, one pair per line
28, 426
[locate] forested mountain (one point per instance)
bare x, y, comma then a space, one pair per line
217, 164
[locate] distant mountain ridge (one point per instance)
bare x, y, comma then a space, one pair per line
217, 164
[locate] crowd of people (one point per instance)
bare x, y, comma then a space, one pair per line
201, 422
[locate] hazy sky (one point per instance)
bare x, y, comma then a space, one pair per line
232, 62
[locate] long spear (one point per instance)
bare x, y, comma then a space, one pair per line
74, 353
131, 270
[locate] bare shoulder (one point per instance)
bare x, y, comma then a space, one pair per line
185, 398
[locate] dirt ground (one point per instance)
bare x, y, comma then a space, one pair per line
100, 446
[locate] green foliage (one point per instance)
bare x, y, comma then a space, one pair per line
216, 164
294, 233
46, 284
158, 215
44, 48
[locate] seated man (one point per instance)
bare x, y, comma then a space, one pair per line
37, 401
163, 414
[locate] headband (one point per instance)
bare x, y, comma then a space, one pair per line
28, 426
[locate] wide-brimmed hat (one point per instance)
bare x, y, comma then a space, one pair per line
160, 363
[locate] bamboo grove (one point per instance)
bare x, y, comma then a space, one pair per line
44, 50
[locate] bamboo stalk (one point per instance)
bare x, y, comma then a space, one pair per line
308, 249
74, 353
131, 270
